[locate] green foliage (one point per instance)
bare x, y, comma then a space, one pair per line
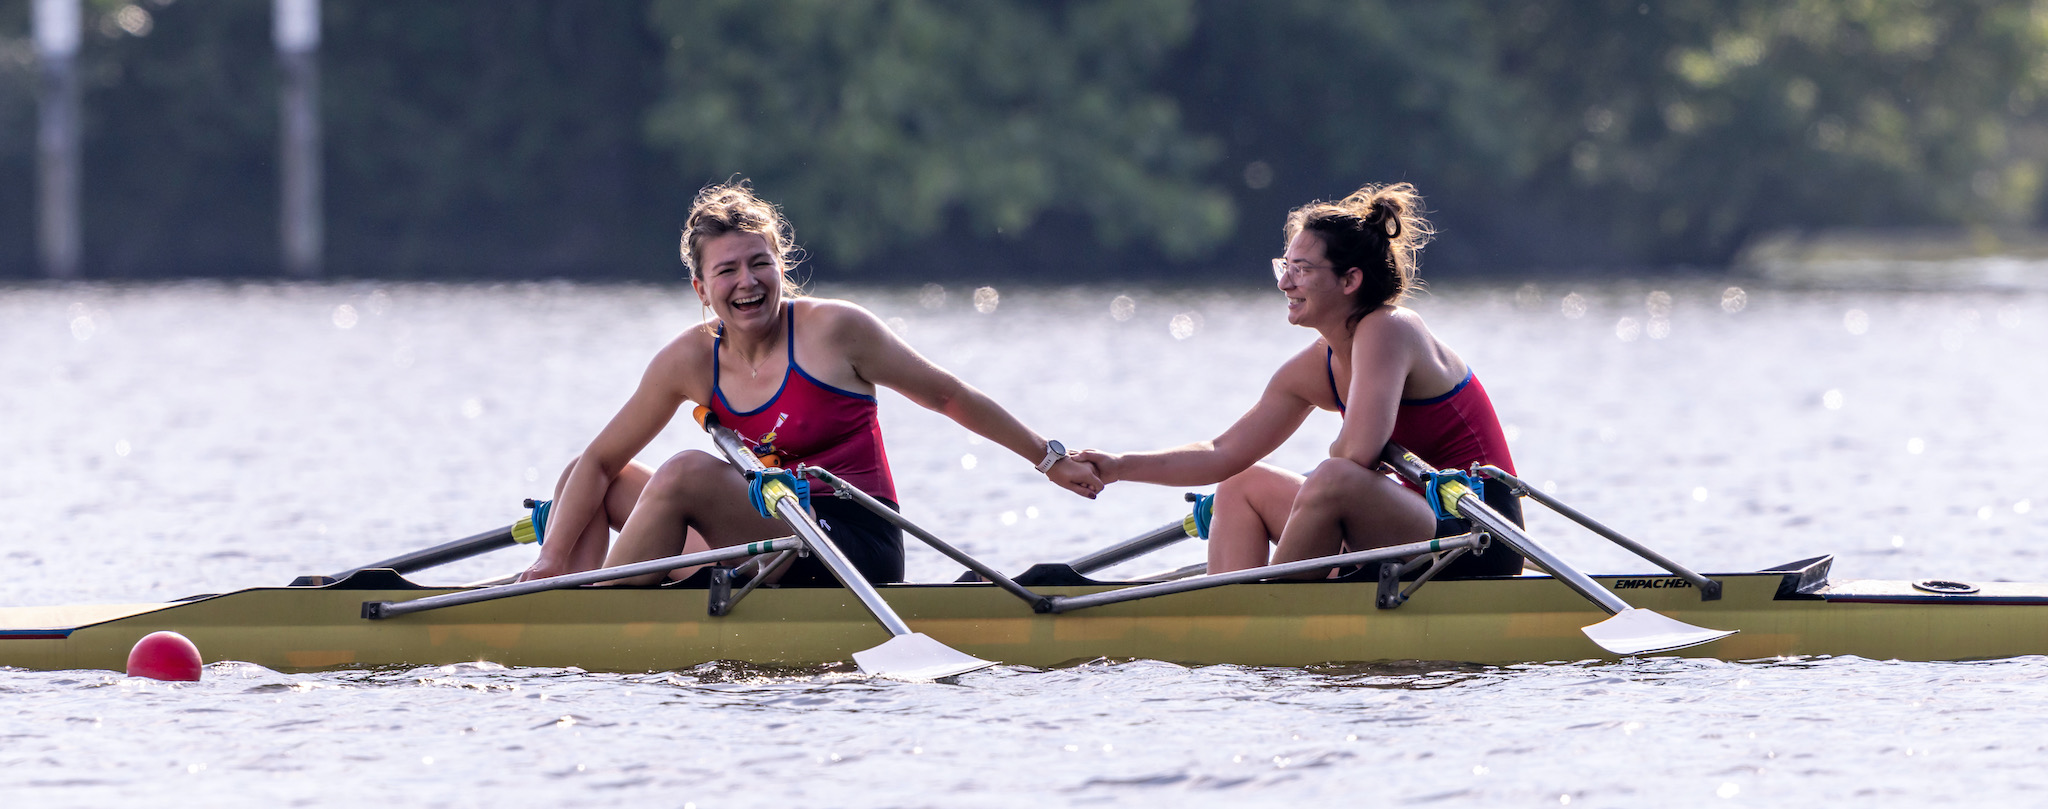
877, 122
462, 138
17, 142
179, 137
1314, 98
557, 137
474, 137
1627, 131
1689, 127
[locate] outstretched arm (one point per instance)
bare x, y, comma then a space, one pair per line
1278, 413
882, 358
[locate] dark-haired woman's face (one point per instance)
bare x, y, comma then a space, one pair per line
1314, 288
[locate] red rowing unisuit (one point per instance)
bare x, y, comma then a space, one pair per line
811, 422
1451, 431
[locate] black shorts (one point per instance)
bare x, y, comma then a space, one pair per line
1499, 559
872, 544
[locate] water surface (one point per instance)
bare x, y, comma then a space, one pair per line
167, 440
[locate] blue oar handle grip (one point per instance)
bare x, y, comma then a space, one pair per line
767, 487
533, 528
1201, 515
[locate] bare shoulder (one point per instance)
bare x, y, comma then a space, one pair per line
843, 344
1390, 320
1311, 357
1392, 326
1306, 375
1433, 366
684, 364
694, 342
836, 317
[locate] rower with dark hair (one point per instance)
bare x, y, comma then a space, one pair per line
1348, 266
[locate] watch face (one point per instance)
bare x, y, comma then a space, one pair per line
1055, 448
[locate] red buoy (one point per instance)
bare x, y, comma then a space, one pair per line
164, 656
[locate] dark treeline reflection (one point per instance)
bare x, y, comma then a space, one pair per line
913, 139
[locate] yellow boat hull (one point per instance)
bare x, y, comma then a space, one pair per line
1529, 618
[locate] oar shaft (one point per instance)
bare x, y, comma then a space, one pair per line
881, 510
1475, 509
800, 521
441, 554
1709, 589
1135, 547
842, 569
393, 609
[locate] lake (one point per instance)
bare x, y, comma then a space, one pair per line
171, 439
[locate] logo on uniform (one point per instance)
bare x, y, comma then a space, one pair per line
765, 448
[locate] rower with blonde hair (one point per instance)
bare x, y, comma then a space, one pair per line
795, 377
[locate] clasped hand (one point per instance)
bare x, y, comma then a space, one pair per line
1076, 475
1102, 463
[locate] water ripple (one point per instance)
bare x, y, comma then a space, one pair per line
246, 463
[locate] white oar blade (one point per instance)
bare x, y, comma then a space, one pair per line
1640, 631
918, 658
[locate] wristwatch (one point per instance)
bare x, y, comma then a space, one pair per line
1054, 451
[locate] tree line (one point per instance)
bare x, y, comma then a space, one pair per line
1061, 140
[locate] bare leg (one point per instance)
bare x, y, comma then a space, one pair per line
590, 547
693, 493
1344, 506
1251, 510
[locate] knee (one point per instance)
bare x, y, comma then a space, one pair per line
1257, 482
1336, 479
685, 472
1238, 486
563, 481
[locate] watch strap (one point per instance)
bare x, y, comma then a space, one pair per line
1054, 451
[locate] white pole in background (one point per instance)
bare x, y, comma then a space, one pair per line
57, 27
296, 28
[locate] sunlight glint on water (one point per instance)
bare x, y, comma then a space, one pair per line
170, 440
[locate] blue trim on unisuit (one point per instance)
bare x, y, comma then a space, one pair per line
789, 318
806, 374
764, 405
1330, 370
1469, 374
821, 383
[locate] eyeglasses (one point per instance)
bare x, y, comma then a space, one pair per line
1299, 269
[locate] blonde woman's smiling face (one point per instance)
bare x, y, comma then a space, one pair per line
741, 279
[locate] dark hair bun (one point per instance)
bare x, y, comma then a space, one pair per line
1378, 229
